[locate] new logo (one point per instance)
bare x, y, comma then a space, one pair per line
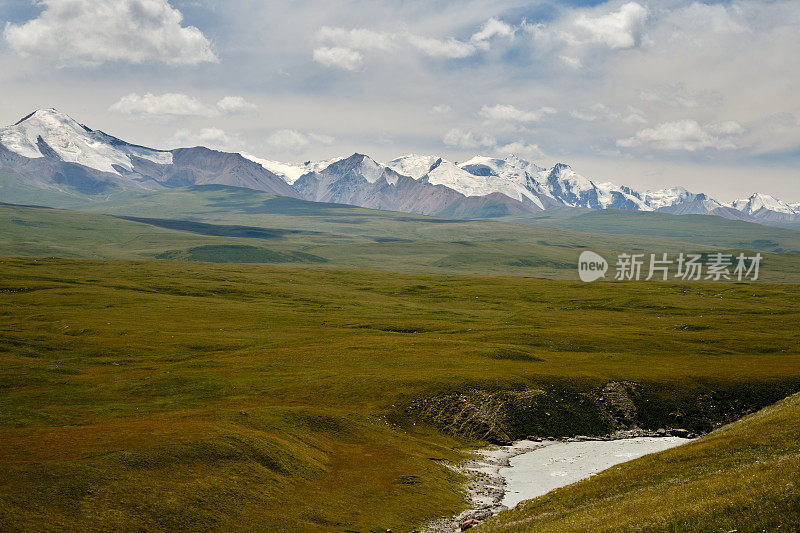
591, 267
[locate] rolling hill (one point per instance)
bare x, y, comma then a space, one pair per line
228, 224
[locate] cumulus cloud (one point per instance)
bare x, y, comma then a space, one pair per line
493, 28
93, 32
442, 48
338, 57
594, 112
214, 138
686, 135
356, 39
679, 96
700, 21
729, 127
293, 141
235, 105
509, 113
521, 149
179, 105
170, 104
580, 38
467, 139
344, 47
634, 116
619, 29
602, 112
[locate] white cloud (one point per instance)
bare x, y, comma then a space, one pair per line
571, 62
493, 28
293, 141
170, 104
634, 118
679, 96
338, 57
521, 149
595, 112
179, 105
467, 140
619, 29
363, 39
699, 21
509, 113
605, 113
580, 38
356, 39
235, 105
343, 47
214, 138
441, 109
686, 135
93, 32
582, 115
729, 127
447, 48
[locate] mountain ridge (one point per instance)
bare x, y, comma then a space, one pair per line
50, 150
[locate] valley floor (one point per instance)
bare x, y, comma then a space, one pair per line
193, 396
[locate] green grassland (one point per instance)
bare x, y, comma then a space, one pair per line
226, 224
213, 358
229, 205
167, 395
741, 478
702, 229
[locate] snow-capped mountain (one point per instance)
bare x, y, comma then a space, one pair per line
668, 197
574, 190
290, 173
47, 131
480, 176
679, 201
360, 180
521, 180
768, 209
764, 202
49, 150
534, 187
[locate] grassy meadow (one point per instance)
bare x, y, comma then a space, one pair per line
166, 395
211, 358
226, 224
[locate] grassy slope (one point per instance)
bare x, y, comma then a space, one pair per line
702, 229
194, 396
346, 236
741, 478
231, 205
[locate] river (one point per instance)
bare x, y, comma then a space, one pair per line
539, 471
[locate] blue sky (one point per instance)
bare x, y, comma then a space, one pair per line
647, 94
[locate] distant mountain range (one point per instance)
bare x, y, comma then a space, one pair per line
48, 150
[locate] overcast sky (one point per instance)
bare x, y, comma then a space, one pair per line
644, 93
